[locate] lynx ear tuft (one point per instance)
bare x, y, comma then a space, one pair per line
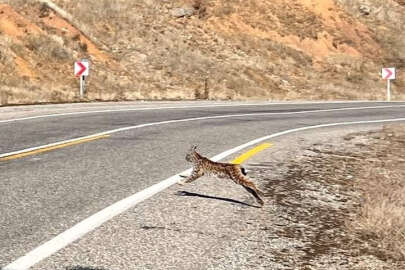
194, 147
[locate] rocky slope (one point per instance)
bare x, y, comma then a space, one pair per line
186, 49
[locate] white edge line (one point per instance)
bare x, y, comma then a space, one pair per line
80, 229
180, 107
119, 110
134, 109
186, 120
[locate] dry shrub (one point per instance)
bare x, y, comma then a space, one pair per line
198, 5
401, 2
57, 96
354, 77
382, 215
17, 48
46, 47
202, 92
224, 10
3, 97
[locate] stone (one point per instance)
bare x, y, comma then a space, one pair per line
365, 10
182, 12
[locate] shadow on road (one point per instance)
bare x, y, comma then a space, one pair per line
191, 194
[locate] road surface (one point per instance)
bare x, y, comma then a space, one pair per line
45, 194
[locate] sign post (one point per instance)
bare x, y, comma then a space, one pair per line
82, 85
388, 74
388, 90
82, 70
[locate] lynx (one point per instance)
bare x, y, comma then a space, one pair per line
204, 166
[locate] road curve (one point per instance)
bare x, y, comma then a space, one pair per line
45, 194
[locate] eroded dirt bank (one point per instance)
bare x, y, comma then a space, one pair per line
201, 49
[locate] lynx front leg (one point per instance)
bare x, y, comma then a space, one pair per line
194, 176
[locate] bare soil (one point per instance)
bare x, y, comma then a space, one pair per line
277, 50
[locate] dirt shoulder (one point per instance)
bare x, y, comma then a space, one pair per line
340, 202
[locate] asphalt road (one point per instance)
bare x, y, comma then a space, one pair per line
43, 195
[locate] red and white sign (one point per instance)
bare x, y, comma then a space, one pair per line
82, 68
388, 73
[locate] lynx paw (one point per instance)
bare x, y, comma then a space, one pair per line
181, 182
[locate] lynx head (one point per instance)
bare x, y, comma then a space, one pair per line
191, 153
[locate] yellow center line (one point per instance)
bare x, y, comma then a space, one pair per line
251, 153
50, 148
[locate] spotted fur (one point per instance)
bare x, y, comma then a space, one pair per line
204, 166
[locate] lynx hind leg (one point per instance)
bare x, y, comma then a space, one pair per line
255, 194
251, 188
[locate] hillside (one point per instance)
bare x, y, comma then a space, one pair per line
234, 49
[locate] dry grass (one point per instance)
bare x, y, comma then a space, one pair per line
381, 219
343, 198
366, 173
228, 50
183, 53
47, 48
401, 2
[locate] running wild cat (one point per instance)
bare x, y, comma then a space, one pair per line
204, 166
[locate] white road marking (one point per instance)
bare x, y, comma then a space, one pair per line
134, 109
173, 107
80, 229
187, 120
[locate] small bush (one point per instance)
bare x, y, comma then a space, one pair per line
46, 47
3, 97
381, 219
